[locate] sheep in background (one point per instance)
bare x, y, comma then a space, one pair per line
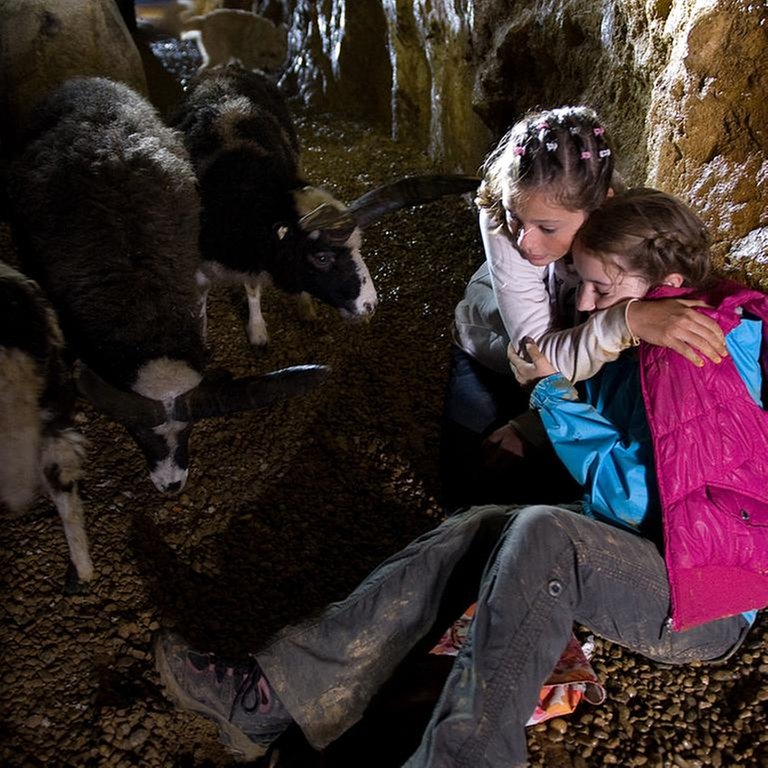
106, 216
168, 17
39, 449
227, 34
261, 223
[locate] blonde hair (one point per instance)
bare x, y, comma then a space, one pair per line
652, 234
565, 152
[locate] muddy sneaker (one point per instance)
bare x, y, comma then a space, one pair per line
238, 698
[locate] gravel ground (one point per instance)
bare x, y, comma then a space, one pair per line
286, 510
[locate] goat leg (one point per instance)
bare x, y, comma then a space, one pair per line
62, 459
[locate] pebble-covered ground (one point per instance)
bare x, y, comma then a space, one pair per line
285, 510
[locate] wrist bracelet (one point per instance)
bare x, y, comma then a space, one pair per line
633, 340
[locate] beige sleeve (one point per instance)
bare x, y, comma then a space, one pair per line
580, 352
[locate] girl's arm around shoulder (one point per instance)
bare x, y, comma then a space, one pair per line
580, 352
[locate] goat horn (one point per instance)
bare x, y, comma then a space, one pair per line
127, 407
223, 396
335, 224
412, 190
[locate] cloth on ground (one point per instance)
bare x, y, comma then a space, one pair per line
572, 679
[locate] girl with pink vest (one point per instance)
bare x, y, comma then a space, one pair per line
670, 451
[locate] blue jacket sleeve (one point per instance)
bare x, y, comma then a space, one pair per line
608, 450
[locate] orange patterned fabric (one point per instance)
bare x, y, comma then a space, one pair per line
572, 680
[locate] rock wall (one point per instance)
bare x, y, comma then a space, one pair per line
708, 119
682, 85
43, 42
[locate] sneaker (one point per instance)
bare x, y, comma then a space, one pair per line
237, 697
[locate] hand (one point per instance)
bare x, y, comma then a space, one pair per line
530, 370
504, 447
674, 323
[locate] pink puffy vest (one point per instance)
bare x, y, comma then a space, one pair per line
710, 444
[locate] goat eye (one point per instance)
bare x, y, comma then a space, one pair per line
322, 260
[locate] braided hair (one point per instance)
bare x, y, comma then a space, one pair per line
566, 152
651, 234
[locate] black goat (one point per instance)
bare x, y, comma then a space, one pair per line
106, 217
38, 446
261, 223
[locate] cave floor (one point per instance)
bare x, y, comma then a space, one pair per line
287, 509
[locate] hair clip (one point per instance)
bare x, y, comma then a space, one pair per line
543, 127
604, 153
599, 131
519, 150
551, 146
574, 130
585, 155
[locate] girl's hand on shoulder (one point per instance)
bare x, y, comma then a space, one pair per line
531, 365
675, 323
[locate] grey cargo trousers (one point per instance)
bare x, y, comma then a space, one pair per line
535, 571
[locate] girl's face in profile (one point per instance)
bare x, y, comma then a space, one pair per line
542, 230
604, 283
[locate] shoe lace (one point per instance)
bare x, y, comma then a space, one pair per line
222, 668
253, 691
255, 694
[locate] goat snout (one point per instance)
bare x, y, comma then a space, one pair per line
170, 487
173, 487
358, 312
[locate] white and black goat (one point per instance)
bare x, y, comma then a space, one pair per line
261, 223
39, 449
106, 217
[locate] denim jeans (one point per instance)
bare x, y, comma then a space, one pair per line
535, 571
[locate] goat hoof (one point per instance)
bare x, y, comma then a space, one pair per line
73, 584
259, 347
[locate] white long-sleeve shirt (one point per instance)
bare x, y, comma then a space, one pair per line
509, 298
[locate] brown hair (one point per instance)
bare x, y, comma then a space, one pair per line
566, 151
649, 233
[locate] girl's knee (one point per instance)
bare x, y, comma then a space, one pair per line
540, 522
485, 521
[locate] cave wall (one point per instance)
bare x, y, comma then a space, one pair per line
682, 84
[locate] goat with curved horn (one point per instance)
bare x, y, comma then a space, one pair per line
264, 225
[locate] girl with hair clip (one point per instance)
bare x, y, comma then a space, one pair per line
546, 176
688, 455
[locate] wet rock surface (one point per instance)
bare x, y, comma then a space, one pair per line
287, 509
